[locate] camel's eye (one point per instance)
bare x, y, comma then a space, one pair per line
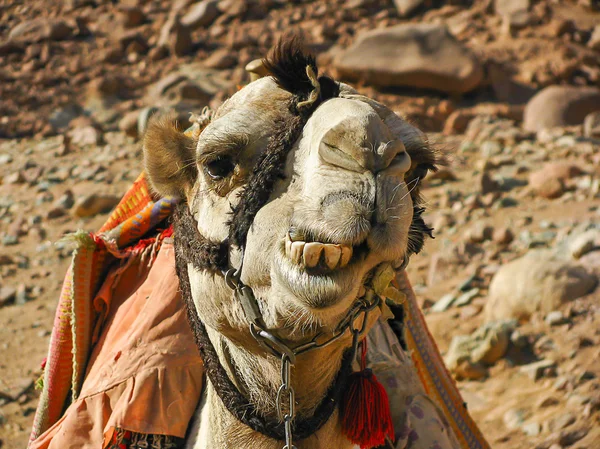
220, 167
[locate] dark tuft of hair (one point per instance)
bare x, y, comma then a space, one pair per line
287, 62
425, 158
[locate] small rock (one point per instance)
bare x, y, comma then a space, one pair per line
560, 106
466, 297
95, 204
514, 418
87, 135
41, 29
561, 383
572, 437
9, 240
129, 124
555, 318
503, 236
443, 174
32, 175
5, 159
519, 340
221, 59
56, 212
466, 369
549, 188
586, 375
480, 233
591, 125
443, 303
406, 7
469, 311
532, 429
583, 243
594, 42
7, 295
21, 295
549, 181
548, 401
201, 14
158, 53
14, 178
132, 16
485, 346
176, 37
536, 370
487, 184
514, 13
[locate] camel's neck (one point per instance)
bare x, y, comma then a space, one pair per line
258, 376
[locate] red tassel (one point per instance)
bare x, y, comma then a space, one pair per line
365, 408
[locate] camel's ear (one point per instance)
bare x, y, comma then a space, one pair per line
169, 158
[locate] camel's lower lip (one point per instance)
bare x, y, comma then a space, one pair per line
319, 287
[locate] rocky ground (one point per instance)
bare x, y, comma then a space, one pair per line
510, 89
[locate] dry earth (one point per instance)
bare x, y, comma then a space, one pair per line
524, 177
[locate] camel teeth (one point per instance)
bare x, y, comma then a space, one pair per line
332, 255
312, 253
296, 251
346, 255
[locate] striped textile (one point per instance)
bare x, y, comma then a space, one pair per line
437, 381
78, 320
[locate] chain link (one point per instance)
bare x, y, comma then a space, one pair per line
286, 387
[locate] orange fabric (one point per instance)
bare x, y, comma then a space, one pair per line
145, 373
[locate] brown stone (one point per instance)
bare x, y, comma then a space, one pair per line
176, 37
221, 59
421, 55
560, 106
201, 14
503, 236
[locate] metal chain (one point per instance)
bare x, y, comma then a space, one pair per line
286, 387
288, 355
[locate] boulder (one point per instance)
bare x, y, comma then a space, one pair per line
421, 55
560, 106
538, 281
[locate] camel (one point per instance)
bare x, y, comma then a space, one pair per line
298, 189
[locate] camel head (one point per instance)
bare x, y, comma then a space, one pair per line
344, 198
